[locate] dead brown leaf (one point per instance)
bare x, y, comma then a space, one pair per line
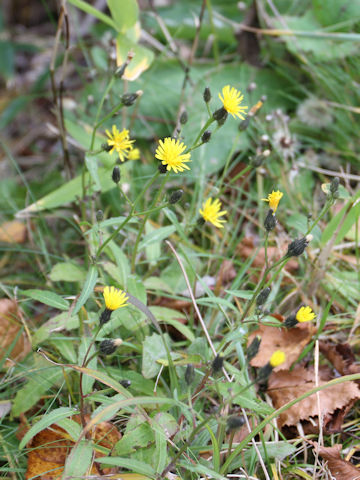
50, 448
13, 232
290, 340
339, 468
285, 386
341, 356
10, 325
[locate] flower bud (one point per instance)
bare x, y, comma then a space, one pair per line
243, 125
129, 98
220, 116
234, 422
189, 374
206, 136
106, 147
184, 117
99, 216
109, 346
176, 196
105, 316
207, 95
253, 348
125, 383
334, 185
116, 175
162, 168
262, 297
200, 221
119, 72
217, 363
290, 321
297, 247
270, 221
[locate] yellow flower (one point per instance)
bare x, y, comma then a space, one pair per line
231, 99
211, 212
114, 298
274, 199
120, 142
134, 154
277, 358
305, 314
170, 153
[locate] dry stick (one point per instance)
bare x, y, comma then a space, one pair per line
255, 446
196, 307
57, 97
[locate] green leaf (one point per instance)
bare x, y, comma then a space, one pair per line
46, 421
124, 13
60, 322
79, 460
136, 288
171, 317
153, 349
67, 272
88, 288
35, 388
333, 11
133, 465
48, 298
92, 166
157, 236
71, 427
153, 251
86, 7
65, 346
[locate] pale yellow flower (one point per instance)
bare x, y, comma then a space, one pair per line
231, 99
211, 212
170, 152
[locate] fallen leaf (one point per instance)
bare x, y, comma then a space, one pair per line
339, 468
50, 448
290, 340
284, 386
13, 232
10, 325
341, 356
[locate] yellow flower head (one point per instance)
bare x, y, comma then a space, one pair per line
305, 314
114, 298
170, 153
134, 154
277, 358
211, 212
231, 99
274, 199
120, 142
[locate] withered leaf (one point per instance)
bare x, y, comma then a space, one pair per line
341, 356
290, 340
285, 386
339, 468
10, 325
13, 232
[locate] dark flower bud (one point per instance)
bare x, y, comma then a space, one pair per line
119, 72
109, 346
175, 196
129, 98
290, 321
125, 383
217, 363
234, 422
207, 95
253, 348
200, 221
243, 125
105, 316
116, 175
262, 297
99, 215
206, 136
184, 117
334, 185
106, 147
270, 221
263, 98
297, 247
189, 374
220, 116
264, 373
162, 168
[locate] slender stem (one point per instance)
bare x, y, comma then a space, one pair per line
325, 209
207, 124
107, 89
103, 120
266, 250
142, 226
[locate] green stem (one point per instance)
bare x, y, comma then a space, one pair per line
107, 89
266, 250
142, 226
103, 120
207, 124
323, 212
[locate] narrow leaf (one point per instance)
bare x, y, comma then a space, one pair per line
48, 298
88, 288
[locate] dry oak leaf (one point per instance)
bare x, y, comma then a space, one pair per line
13, 232
290, 340
340, 469
10, 325
285, 386
341, 356
50, 448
